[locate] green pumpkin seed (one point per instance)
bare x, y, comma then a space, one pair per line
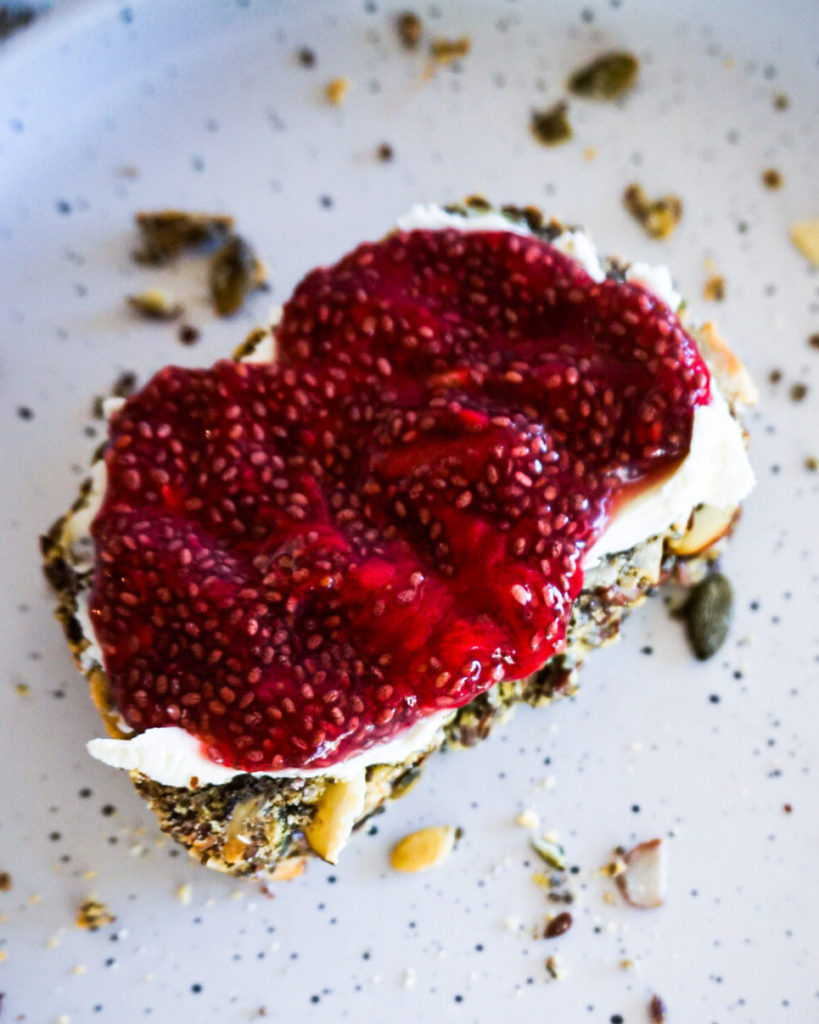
552, 853
234, 273
708, 614
606, 78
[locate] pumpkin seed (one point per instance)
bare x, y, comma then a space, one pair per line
552, 853
606, 78
234, 273
551, 127
423, 849
708, 613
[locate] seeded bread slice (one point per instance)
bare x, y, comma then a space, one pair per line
258, 825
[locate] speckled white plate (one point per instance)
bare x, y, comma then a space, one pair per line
106, 109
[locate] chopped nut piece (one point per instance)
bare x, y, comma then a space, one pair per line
798, 391
337, 812
775, 376
659, 217
657, 1012
234, 273
558, 925
155, 305
606, 78
708, 614
781, 101
805, 236
447, 51
714, 289
552, 853
643, 881
167, 233
423, 849
551, 127
335, 91
409, 28
813, 340
93, 914
5, 881
555, 968
613, 869
385, 152
811, 463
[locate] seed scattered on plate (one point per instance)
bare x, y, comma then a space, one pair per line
805, 236
423, 849
658, 217
385, 152
93, 914
811, 463
168, 233
714, 290
657, 1012
155, 305
781, 101
551, 127
409, 28
643, 882
5, 881
234, 273
772, 178
708, 614
606, 77
336, 91
447, 51
306, 57
798, 391
558, 925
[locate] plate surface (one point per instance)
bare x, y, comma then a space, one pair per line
106, 109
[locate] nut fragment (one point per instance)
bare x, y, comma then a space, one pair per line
643, 882
337, 812
423, 849
659, 217
552, 853
166, 233
155, 305
93, 914
606, 78
708, 614
805, 236
551, 127
714, 290
409, 28
447, 51
657, 1012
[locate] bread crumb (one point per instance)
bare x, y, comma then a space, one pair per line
447, 51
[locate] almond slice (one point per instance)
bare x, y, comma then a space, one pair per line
705, 527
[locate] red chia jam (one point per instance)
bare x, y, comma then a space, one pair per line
298, 560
